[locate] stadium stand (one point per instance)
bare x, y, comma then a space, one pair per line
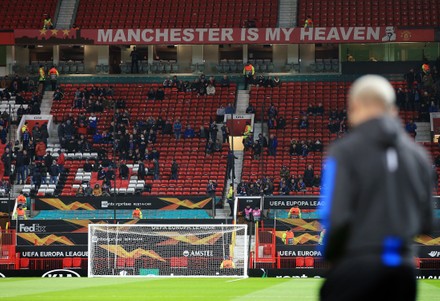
25, 13
196, 167
370, 12
292, 100
183, 14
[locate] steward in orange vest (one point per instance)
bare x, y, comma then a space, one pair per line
288, 237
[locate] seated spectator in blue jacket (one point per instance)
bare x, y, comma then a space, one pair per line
411, 128
189, 132
272, 145
160, 94
272, 112
177, 127
229, 109
301, 186
97, 138
224, 82
284, 188
272, 123
151, 95
304, 123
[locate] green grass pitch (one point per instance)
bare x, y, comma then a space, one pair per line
181, 289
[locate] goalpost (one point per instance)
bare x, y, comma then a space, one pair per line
121, 250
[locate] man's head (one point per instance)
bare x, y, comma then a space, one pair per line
370, 96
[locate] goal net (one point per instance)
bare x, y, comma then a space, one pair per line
167, 250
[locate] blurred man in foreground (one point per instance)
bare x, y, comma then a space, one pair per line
377, 197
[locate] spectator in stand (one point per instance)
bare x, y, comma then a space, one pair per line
225, 132
301, 186
410, 78
230, 162
167, 83
210, 89
304, 123
230, 109
142, 170
257, 150
272, 112
36, 176
168, 128
250, 109
225, 82
411, 128
156, 169
251, 23
123, 170
284, 188
19, 167
160, 94
189, 132
269, 83
93, 123
80, 191
110, 173
177, 128
213, 131
54, 172
211, 189
262, 140
87, 167
311, 110
58, 95
281, 123
61, 160
134, 60
26, 163
317, 146
276, 81
202, 90
88, 191
284, 173
316, 181
40, 150
272, 123
151, 95
174, 170
97, 190
220, 114
43, 172
273, 145
319, 109
48, 159
248, 142
309, 174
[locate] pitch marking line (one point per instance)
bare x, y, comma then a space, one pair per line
233, 280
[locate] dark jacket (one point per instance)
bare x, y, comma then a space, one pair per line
377, 192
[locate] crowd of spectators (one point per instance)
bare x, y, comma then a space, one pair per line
264, 81
298, 183
259, 187
201, 86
